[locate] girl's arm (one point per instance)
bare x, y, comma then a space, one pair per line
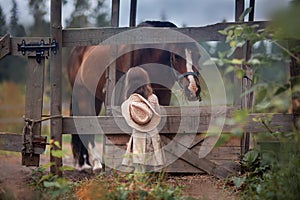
153, 100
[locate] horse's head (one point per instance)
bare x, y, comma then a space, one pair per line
184, 60
185, 70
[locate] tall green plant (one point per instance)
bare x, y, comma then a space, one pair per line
272, 170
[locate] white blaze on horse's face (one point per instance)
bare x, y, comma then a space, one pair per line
189, 67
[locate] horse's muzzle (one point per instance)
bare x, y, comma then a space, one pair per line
193, 96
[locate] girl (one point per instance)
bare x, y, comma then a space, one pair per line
141, 112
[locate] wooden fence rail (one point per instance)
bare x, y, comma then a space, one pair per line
95, 36
111, 125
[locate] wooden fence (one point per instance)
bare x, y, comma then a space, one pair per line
220, 162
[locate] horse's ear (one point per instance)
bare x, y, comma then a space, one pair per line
173, 59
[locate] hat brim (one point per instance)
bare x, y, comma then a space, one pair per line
154, 122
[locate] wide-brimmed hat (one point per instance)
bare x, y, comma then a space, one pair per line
139, 114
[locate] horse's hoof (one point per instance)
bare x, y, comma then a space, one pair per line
97, 167
84, 168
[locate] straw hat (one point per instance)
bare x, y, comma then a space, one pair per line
139, 114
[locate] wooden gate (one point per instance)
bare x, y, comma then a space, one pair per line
220, 162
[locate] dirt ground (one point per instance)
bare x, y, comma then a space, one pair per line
13, 184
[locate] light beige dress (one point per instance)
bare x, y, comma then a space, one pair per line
145, 147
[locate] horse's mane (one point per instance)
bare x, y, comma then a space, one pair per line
157, 24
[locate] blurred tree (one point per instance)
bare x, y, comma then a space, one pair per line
40, 27
12, 68
15, 29
100, 14
3, 27
84, 16
78, 17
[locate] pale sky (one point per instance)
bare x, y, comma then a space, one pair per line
188, 12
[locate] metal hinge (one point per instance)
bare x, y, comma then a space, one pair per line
39, 48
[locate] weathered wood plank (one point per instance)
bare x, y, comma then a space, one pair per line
95, 36
173, 124
5, 47
56, 84
14, 142
11, 142
224, 156
115, 154
188, 110
180, 166
192, 158
34, 103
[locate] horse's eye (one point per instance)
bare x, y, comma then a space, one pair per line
176, 56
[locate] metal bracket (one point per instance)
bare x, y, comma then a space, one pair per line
39, 48
34, 144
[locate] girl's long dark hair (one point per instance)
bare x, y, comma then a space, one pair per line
137, 81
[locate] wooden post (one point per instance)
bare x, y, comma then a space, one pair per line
111, 70
247, 100
56, 84
241, 84
132, 20
34, 104
251, 14
111, 73
239, 9
115, 10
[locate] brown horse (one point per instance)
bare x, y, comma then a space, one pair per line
165, 64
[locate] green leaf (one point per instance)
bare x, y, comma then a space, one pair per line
237, 61
250, 157
229, 69
246, 12
57, 153
261, 95
48, 184
240, 73
240, 44
56, 143
222, 140
237, 132
45, 177
232, 43
254, 61
238, 31
238, 182
222, 32
240, 116
66, 168
296, 89
46, 166
256, 119
229, 35
230, 52
282, 89
263, 105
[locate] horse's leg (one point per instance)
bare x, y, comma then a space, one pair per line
94, 148
83, 101
80, 152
